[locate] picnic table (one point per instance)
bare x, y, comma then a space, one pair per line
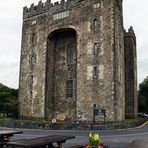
47, 141
6, 135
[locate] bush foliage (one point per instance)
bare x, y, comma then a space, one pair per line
8, 101
143, 96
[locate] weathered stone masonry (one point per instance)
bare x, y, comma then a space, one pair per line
72, 58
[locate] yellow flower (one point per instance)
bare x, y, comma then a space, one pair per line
95, 137
96, 140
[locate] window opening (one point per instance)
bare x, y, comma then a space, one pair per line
33, 59
61, 15
95, 24
97, 5
69, 88
94, 72
33, 39
31, 82
95, 48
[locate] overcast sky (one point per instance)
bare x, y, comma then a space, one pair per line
135, 14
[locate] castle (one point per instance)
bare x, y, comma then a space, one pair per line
75, 56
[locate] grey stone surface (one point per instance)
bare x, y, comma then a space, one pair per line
139, 143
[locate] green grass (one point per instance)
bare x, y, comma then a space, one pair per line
34, 121
133, 120
38, 121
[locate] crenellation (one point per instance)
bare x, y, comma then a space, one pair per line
40, 5
131, 29
56, 3
130, 33
31, 7
25, 10
48, 1
62, 1
47, 7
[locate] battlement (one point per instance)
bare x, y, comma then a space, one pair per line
48, 7
130, 33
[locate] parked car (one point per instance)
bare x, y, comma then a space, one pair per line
142, 115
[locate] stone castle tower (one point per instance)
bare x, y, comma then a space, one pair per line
131, 100
72, 59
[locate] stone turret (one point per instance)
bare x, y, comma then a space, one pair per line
130, 73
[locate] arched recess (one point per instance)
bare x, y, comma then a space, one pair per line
61, 63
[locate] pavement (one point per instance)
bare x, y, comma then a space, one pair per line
139, 143
127, 138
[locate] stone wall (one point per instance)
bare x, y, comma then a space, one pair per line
11, 123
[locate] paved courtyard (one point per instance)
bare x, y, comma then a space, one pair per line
113, 138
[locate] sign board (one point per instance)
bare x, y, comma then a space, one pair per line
99, 112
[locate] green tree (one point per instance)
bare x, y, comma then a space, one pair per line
143, 96
8, 101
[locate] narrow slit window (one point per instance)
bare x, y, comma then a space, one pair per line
31, 82
95, 48
33, 39
94, 72
69, 89
33, 59
95, 24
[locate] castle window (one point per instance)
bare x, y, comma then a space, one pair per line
33, 39
94, 72
69, 54
95, 48
33, 59
97, 5
69, 88
61, 15
31, 82
34, 22
95, 24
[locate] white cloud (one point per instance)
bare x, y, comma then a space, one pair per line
135, 14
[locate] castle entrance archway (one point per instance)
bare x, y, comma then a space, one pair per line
61, 75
